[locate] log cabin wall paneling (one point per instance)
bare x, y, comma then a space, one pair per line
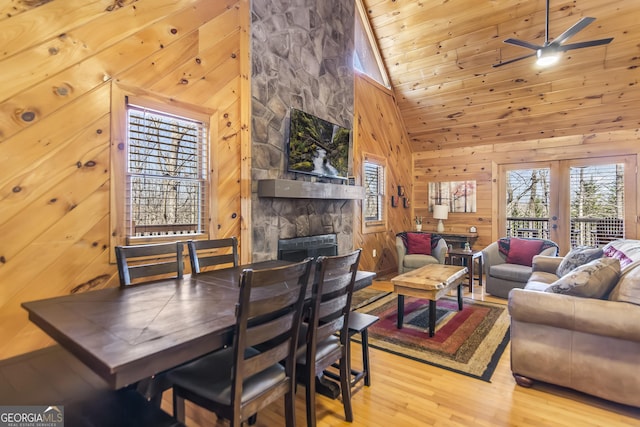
480, 163
464, 117
439, 56
379, 130
60, 59
58, 64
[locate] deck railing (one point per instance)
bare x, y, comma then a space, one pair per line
584, 231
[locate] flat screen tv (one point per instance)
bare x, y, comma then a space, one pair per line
317, 147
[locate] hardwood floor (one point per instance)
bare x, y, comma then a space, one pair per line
408, 393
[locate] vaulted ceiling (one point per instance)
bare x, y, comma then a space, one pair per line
439, 56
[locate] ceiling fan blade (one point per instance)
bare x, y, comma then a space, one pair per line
521, 43
513, 60
580, 45
572, 31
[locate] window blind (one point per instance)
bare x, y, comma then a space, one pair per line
374, 191
166, 173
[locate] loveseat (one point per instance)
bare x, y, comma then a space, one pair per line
417, 249
507, 263
591, 343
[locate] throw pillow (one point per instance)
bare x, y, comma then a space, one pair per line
625, 250
592, 280
577, 257
522, 251
628, 288
418, 243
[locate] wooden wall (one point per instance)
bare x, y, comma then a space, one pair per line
480, 163
379, 131
58, 63
439, 56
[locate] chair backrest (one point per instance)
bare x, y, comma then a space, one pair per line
331, 299
268, 316
207, 253
149, 262
438, 250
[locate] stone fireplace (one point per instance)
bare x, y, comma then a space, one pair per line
302, 56
299, 248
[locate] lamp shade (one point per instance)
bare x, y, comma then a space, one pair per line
440, 211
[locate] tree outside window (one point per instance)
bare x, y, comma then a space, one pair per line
166, 174
373, 207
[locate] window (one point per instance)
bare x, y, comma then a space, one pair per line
166, 176
162, 170
373, 207
374, 187
574, 202
366, 57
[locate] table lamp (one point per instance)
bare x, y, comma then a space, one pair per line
440, 212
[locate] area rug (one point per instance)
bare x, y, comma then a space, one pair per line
469, 342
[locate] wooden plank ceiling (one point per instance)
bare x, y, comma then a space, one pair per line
439, 56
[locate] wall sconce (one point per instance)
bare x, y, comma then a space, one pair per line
440, 212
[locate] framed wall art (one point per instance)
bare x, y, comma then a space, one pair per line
460, 196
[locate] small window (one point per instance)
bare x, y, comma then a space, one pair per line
374, 218
166, 173
366, 55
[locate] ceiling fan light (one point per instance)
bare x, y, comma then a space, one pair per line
547, 57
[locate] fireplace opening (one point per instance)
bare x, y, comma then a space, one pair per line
299, 248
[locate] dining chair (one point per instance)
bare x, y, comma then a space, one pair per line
149, 262
329, 315
207, 253
238, 381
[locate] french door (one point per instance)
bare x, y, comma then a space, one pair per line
574, 202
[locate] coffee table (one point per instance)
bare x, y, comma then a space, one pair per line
432, 282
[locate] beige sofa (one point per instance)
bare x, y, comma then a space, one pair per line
587, 344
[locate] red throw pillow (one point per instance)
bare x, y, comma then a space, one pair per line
522, 251
419, 243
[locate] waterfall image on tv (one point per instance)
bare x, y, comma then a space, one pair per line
317, 147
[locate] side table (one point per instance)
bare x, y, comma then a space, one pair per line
467, 259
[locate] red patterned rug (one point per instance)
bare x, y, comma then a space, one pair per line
469, 342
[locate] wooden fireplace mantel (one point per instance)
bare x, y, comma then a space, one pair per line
292, 189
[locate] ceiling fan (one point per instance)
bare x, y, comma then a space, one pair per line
548, 53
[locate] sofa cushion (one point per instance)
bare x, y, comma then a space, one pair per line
540, 280
592, 280
536, 286
419, 243
417, 261
576, 257
511, 272
628, 287
522, 251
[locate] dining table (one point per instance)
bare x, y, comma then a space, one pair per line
131, 333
